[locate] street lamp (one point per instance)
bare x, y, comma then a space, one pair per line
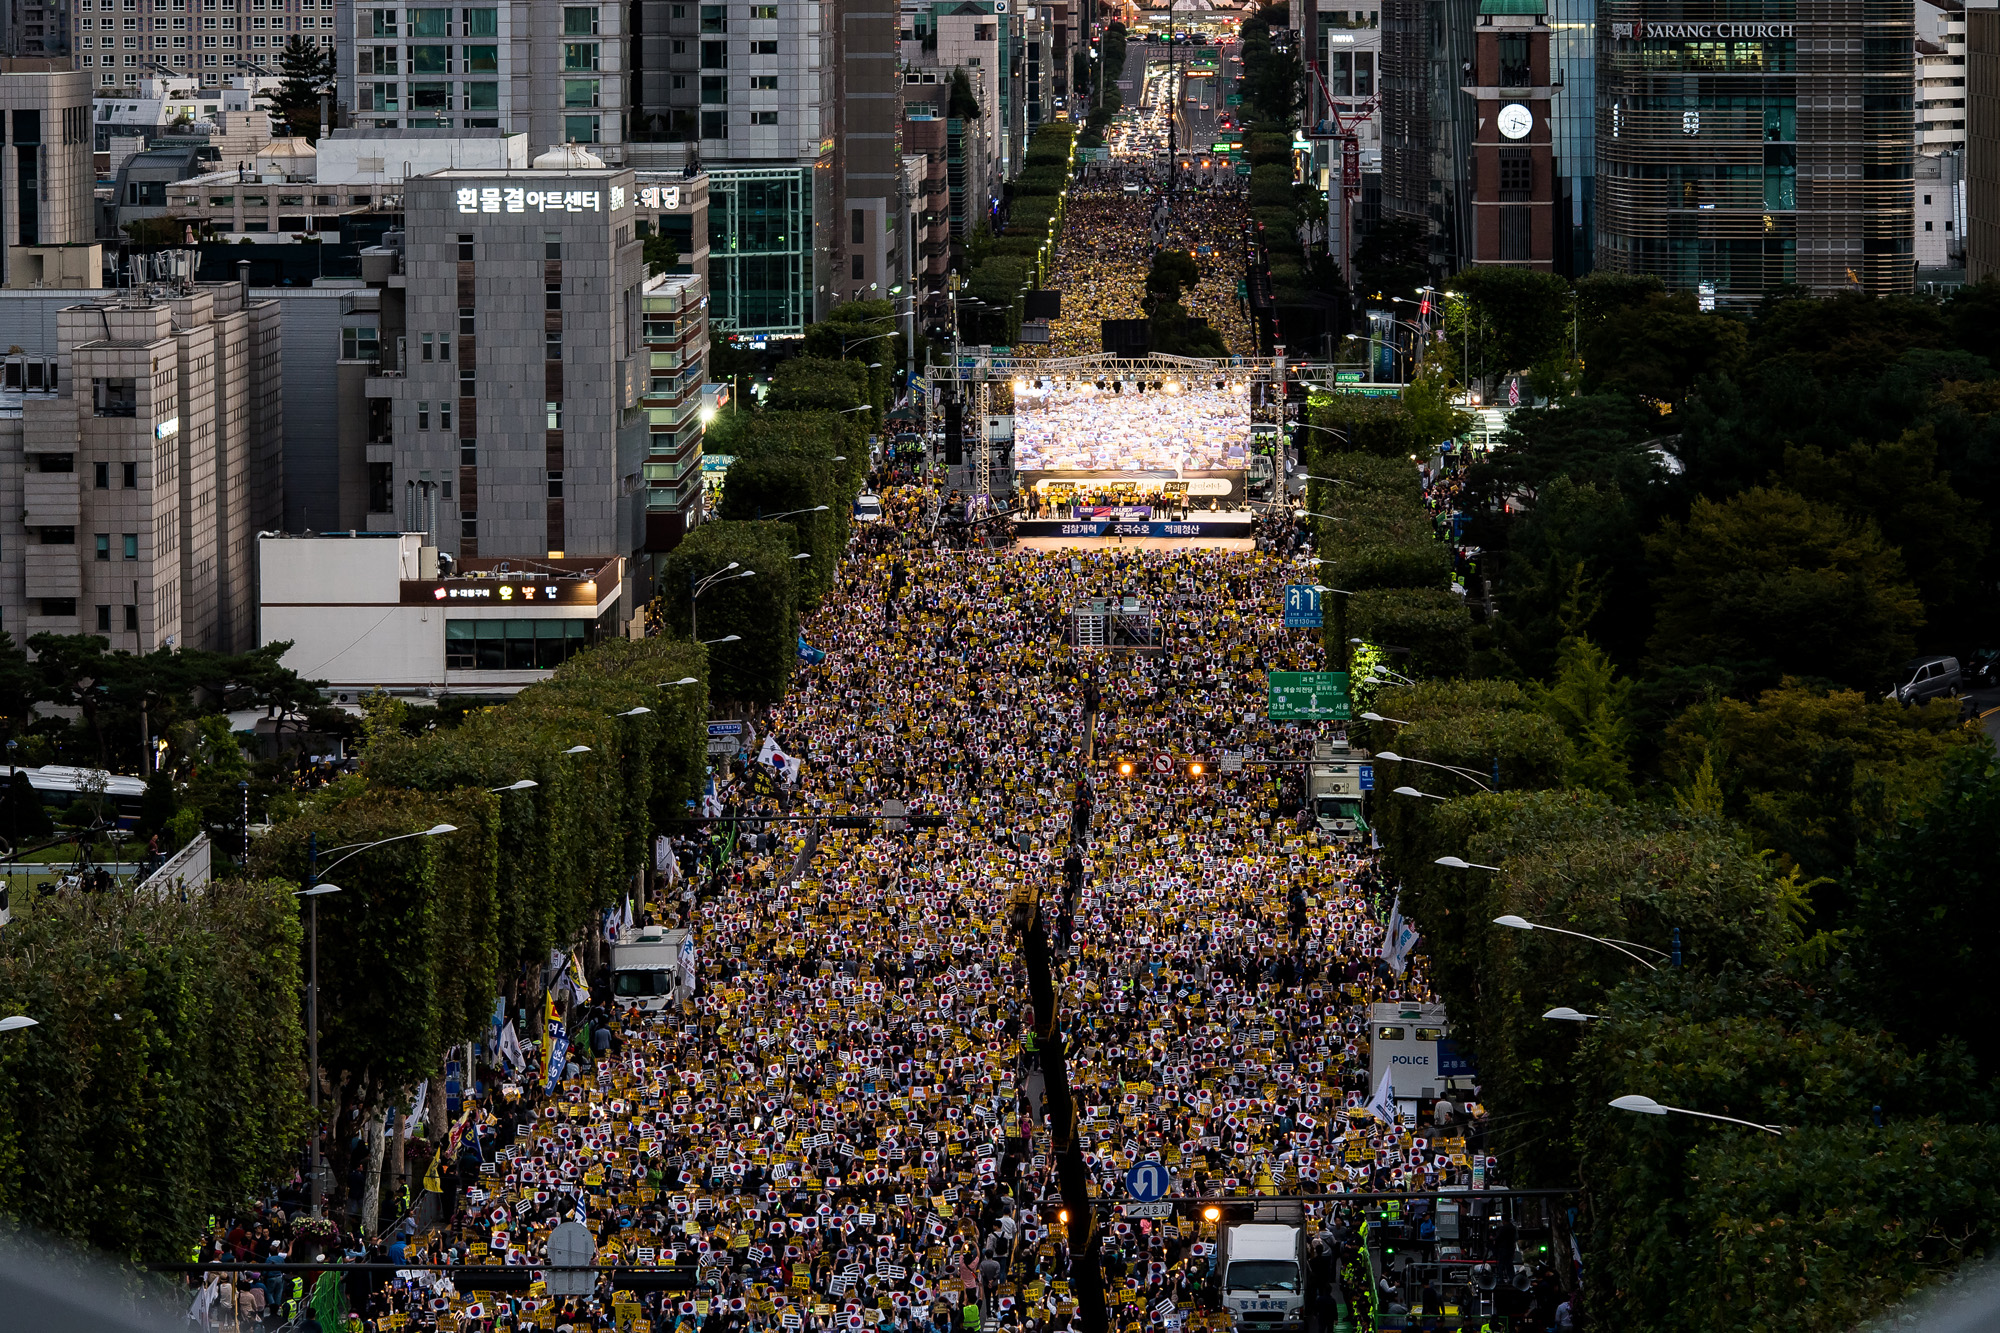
684, 680
1569, 1015
1412, 791
700, 586
1457, 863
789, 513
634, 712
1395, 758
577, 749
1513, 922
15, 1022
804, 555
1377, 717
1331, 481
727, 638
522, 785
314, 891
1647, 1106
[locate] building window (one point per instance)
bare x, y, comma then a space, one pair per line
763, 117
429, 344
579, 20
131, 618
104, 619
714, 125
465, 314
857, 225
482, 59
423, 415
580, 55
552, 345
360, 344
480, 22
1515, 233
856, 268
553, 412
464, 257
582, 129
131, 546
430, 97
763, 11
512, 645
1517, 175
102, 475
429, 22
53, 536
468, 529
444, 415
715, 18
58, 608
714, 89
1514, 71
580, 92
114, 397
764, 82
482, 97
764, 48
131, 476
715, 55
555, 486
103, 546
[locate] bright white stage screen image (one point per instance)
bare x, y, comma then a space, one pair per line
1076, 425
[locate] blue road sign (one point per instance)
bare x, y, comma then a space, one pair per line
1368, 777
1302, 606
1147, 1181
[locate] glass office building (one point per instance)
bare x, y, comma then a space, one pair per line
760, 250
1742, 145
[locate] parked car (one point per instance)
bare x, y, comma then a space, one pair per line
1982, 669
867, 508
1925, 678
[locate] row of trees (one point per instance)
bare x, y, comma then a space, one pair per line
1001, 269
1668, 687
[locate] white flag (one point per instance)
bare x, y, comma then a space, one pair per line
1398, 939
416, 1109
1383, 1104
510, 1047
787, 766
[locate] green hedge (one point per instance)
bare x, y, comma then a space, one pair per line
1433, 623
1358, 566
762, 609
164, 1084
1271, 184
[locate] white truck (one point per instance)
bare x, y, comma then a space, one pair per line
652, 967
1264, 1277
1333, 789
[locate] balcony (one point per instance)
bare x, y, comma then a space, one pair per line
49, 499
51, 571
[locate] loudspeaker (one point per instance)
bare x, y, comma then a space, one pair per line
954, 434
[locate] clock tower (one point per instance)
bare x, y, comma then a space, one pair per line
1513, 157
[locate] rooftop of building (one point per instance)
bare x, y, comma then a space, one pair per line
426, 132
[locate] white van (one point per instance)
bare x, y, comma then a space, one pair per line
1264, 1277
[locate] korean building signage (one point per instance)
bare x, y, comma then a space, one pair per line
1642, 30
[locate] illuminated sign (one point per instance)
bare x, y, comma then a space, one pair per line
167, 429
499, 592
519, 199
660, 196
1641, 30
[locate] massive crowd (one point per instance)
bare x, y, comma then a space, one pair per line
842, 1129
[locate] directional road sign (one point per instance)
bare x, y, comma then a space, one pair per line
1309, 696
1302, 606
1148, 1181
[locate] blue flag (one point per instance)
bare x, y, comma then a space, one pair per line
808, 654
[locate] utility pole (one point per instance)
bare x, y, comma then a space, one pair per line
1086, 1273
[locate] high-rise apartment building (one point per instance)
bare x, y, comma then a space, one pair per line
1739, 150
45, 176
555, 72
118, 42
142, 452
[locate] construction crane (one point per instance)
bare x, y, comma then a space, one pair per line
1341, 123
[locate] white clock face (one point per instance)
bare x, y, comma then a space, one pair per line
1516, 120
